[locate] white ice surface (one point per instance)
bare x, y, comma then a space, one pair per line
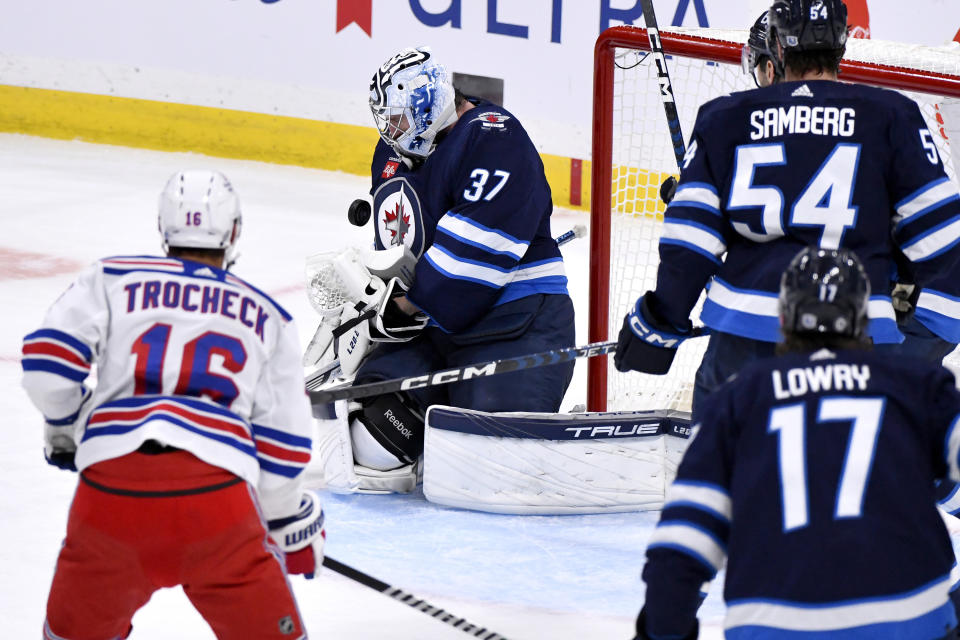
66, 204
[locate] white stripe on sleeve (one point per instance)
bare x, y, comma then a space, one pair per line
475, 234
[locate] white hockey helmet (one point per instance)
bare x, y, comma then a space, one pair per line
412, 99
200, 210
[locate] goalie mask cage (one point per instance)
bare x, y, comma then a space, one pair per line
633, 154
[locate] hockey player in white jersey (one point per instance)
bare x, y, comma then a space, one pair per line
190, 446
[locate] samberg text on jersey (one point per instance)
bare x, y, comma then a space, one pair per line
799, 118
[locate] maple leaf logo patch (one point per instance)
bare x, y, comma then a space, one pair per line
397, 223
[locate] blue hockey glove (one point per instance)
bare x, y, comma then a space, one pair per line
642, 628
646, 343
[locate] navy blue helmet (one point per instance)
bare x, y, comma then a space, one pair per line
757, 47
808, 25
824, 291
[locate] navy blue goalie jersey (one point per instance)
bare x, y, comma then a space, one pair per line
477, 215
771, 171
813, 474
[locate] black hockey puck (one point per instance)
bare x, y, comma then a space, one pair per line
359, 212
668, 189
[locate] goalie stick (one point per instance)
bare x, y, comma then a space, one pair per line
411, 600
446, 376
467, 372
331, 370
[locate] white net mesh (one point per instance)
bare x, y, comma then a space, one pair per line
643, 158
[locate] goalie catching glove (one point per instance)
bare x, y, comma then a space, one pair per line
355, 292
301, 536
647, 343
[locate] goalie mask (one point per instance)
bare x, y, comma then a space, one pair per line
200, 210
412, 99
824, 291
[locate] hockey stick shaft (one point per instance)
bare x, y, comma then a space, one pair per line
577, 232
411, 600
471, 371
468, 372
663, 75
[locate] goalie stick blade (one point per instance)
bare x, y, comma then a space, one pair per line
411, 600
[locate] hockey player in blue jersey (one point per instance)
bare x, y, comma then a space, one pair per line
812, 473
931, 328
457, 180
806, 161
931, 324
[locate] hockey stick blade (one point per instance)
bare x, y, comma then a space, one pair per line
410, 600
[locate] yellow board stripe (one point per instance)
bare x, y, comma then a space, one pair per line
216, 132
178, 127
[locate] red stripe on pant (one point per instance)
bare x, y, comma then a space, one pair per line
119, 549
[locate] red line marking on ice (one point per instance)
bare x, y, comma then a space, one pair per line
21, 265
282, 291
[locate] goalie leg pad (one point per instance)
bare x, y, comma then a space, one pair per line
332, 464
387, 428
552, 463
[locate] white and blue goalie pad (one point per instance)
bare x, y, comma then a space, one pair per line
552, 463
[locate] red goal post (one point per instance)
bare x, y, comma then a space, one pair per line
632, 153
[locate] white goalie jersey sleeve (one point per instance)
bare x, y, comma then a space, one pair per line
185, 354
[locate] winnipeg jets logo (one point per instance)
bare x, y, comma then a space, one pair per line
399, 217
397, 223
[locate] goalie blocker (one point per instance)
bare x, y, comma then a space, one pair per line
548, 463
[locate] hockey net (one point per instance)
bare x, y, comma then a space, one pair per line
633, 154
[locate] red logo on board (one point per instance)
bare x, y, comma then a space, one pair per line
359, 12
